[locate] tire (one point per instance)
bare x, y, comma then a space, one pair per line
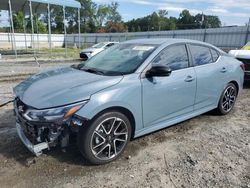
104, 138
227, 99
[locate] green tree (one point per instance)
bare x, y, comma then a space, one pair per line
213, 21
172, 23
57, 25
102, 14
153, 22
114, 20
72, 20
88, 16
114, 15
162, 19
139, 28
39, 26
186, 20
207, 21
19, 21
112, 27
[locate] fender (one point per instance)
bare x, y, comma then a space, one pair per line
126, 95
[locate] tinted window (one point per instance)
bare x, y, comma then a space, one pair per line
174, 57
201, 55
215, 55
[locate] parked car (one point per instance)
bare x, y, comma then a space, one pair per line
97, 48
125, 92
244, 56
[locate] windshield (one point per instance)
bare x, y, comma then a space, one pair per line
120, 59
99, 45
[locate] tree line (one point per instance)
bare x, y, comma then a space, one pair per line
106, 18
159, 21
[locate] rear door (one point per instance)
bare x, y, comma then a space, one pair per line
210, 73
168, 97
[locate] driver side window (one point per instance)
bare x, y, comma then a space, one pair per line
174, 57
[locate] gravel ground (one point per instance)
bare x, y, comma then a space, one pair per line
206, 151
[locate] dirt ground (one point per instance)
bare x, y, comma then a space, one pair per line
206, 151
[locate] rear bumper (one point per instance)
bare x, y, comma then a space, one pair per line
247, 67
35, 149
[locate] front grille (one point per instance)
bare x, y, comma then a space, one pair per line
29, 129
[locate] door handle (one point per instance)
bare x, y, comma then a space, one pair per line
189, 78
223, 70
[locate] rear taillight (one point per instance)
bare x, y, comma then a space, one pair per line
242, 65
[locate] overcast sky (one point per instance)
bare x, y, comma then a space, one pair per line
231, 12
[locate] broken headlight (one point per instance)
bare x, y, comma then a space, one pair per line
53, 114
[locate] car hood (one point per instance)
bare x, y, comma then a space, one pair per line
61, 86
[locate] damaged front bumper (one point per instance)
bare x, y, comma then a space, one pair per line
35, 149
39, 136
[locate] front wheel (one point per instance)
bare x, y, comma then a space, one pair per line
227, 99
105, 138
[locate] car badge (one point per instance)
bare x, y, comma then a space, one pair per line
20, 109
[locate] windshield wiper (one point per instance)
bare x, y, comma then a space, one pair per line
91, 70
96, 71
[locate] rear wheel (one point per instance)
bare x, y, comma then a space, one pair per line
105, 138
227, 99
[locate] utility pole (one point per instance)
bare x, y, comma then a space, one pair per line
205, 29
12, 29
247, 31
202, 20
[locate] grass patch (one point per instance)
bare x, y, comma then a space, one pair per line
55, 53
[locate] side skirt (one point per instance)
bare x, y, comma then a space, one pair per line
172, 121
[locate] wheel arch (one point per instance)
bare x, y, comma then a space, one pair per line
236, 85
122, 110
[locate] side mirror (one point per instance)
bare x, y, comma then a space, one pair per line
159, 71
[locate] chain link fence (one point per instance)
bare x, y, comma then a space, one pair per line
225, 38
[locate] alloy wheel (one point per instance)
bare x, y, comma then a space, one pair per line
109, 138
228, 98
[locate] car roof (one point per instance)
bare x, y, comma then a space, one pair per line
159, 41
169, 41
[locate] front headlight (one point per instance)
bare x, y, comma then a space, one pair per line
53, 114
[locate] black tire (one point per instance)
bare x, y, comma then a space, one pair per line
225, 100
94, 134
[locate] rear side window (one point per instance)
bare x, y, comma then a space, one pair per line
215, 55
175, 57
201, 55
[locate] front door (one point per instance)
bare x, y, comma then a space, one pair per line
168, 97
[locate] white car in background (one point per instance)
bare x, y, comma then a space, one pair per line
97, 48
244, 56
